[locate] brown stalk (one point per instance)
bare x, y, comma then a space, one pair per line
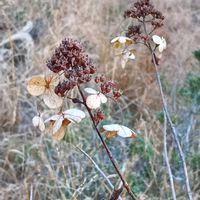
114, 163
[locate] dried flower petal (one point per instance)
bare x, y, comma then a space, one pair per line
160, 41
94, 100
51, 99
59, 135
38, 122
120, 130
125, 57
45, 85
60, 121
74, 115
102, 97
90, 91
120, 40
36, 85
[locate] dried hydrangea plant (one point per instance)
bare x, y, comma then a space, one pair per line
70, 68
145, 20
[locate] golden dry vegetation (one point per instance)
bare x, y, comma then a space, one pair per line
33, 166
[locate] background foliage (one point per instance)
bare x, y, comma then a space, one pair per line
34, 166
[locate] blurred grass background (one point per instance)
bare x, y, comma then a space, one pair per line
32, 166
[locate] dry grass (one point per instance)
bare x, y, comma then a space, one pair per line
32, 166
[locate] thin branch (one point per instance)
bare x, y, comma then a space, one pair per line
167, 158
96, 166
174, 132
31, 193
125, 184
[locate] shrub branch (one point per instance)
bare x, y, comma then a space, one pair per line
167, 158
164, 105
114, 163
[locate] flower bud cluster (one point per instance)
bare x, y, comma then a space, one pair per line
70, 58
99, 116
108, 86
134, 32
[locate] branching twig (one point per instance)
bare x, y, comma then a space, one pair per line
96, 166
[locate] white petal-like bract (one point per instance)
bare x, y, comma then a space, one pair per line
161, 48
58, 124
157, 39
74, 115
93, 101
41, 125
112, 127
51, 99
160, 41
102, 97
121, 39
122, 131
131, 56
125, 57
90, 91
38, 122
52, 118
114, 39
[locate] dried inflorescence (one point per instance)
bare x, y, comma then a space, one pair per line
145, 12
99, 116
108, 86
143, 8
71, 59
134, 32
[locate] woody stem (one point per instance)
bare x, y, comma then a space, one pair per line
168, 117
113, 161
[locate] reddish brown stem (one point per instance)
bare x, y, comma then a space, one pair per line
114, 163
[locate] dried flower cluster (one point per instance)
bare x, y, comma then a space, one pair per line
134, 32
70, 58
108, 86
99, 116
143, 10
